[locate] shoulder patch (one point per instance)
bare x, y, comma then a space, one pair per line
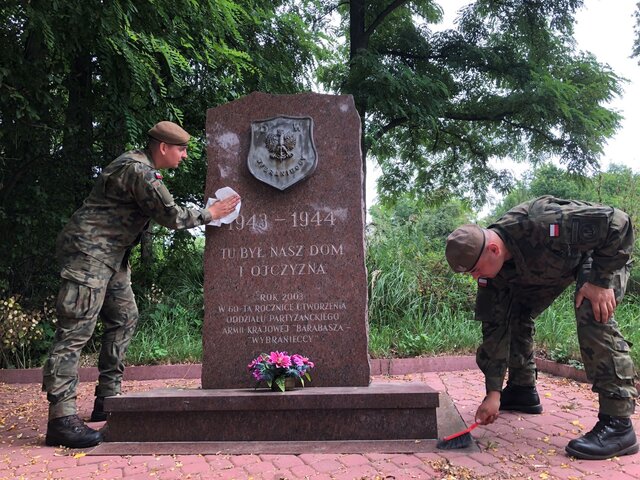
161, 190
483, 282
588, 229
554, 230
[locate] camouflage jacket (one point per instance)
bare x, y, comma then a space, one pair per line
549, 238
128, 193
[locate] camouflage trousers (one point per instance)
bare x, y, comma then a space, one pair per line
89, 289
507, 311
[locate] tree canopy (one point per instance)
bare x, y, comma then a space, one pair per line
80, 82
439, 106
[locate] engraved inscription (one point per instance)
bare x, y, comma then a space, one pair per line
286, 252
283, 318
272, 318
260, 222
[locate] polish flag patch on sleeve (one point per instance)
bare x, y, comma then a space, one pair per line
554, 230
483, 282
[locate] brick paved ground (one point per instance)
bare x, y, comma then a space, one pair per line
516, 446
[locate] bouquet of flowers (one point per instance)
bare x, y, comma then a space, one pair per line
275, 367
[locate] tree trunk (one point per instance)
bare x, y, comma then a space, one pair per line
77, 143
358, 41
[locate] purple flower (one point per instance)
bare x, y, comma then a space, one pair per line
301, 361
254, 362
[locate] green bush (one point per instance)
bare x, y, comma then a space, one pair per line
417, 306
171, 310
24, 333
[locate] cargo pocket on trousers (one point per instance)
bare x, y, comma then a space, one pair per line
622, 362
76, 300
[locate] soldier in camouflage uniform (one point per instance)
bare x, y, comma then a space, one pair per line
93, 250
522, 263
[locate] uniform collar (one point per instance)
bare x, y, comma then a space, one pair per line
142, 156
516, 264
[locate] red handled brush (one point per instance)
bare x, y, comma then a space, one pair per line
457, 440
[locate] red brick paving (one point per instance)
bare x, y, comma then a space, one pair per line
517, 446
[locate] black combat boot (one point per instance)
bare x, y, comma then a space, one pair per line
71, 432
98, 414
611, 437
520, 399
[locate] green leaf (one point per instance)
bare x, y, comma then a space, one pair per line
280, 383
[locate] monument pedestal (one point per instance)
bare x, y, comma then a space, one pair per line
381, 411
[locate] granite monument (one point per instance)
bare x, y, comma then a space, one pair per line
289, 273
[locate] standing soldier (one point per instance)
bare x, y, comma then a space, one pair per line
93, 250
522, 263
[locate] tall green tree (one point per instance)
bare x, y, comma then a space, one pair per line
81, 81
440, 106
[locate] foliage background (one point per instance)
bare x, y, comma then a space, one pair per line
80, 82
417, 306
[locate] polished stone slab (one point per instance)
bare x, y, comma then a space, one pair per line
381, 411
269, 448
448, 421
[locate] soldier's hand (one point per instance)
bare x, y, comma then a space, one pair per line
224, 207
489, 409
603, 301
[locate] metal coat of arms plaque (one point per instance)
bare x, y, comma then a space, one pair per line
282, 151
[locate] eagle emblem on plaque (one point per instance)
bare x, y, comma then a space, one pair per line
282, 151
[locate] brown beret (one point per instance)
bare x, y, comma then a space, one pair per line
464, 247
169, 132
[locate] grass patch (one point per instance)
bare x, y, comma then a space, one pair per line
169, 334
450, 332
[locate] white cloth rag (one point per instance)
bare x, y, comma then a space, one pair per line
221, 194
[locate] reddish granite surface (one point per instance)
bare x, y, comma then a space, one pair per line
289, 273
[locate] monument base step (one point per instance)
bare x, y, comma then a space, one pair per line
381, 411
448, 421
269, 448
